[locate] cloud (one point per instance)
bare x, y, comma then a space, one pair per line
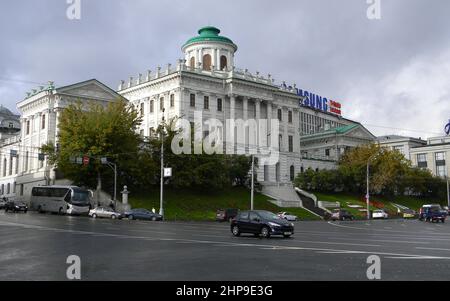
325, 46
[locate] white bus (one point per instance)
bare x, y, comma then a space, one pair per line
60, 199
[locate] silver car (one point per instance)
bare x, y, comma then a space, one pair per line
287, 216
104, 212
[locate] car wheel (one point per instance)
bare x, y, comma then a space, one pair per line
130, 217
154, 218
113, 216
265, 232
235, 230
60, 211
94, 215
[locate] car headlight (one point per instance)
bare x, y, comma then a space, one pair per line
273, 224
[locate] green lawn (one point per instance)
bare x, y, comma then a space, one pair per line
381, 202
190, 205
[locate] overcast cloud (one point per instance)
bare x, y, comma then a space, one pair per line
393, 72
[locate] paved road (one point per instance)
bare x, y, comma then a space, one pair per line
35, 247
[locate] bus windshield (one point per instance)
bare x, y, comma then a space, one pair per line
80, 197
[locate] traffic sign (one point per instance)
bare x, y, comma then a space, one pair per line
85, 160
167, 172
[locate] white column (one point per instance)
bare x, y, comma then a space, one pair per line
258, 109
245, 108
232, 106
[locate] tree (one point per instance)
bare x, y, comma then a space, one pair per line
96, 131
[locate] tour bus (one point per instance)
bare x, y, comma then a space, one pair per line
61, 199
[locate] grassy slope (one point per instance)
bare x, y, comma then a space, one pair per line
202, 205
411, 202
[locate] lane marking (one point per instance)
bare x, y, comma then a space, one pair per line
436, 249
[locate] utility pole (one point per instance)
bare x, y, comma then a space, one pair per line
367, 193
105, 161
253, 183
448, 191
161, 203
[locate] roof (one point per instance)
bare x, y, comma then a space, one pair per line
390, 138
6, 112
342, 130
210, 34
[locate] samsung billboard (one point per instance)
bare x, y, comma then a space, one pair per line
319, 103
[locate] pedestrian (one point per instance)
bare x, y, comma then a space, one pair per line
111, 205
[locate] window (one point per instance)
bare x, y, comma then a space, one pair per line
17, 164
28, 127
3, 188
141, 133
327, 152
14, 187
10, 165
10, 125
142, 109
290, 116
192, 62
253, 216
152, 103
292, 172
43, 122
161, 104
291, 143
422, 160
440, 157
8, 188
192, 100
172, 100
206, 62
440, 171
223, 62
219, 104
280, 141
206, 102
4, 167
280, 115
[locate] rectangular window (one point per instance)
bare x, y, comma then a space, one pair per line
290, 116
440, 171
14, 187
291, 143
172, 100
43, 122
152, 104
17, 164
141, 133
192, 100
142, 109
206, 102
161, 104
11, 125
28, 127
280, 115
440, 158
327, 152
219, 104
422, 160
10, 165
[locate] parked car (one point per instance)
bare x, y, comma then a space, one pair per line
223, 215
341, 215
433, 213
2, 203
287, 216
261, 222
16, 207
104, 212
408, 213
379, 214
142, 214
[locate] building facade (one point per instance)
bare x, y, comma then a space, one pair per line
207, 81
433, 156
25, 165
401, 143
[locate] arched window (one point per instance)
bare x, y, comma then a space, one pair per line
292, 172
192, 62
207, 62
223, 62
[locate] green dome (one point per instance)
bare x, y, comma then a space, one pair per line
209, 34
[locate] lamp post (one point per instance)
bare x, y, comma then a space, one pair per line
448, 191
253, 188
367, 188
105, 161
161, 203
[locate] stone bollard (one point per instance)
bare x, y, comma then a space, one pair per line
125, 193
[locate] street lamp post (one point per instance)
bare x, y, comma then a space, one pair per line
253, 188
114, 168
161, 202
448, 191
367, 192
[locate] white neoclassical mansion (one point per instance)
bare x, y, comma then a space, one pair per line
205, 81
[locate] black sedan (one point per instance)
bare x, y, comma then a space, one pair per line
260, 222
142, 214
16, 207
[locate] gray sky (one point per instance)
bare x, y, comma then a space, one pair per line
393, 72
